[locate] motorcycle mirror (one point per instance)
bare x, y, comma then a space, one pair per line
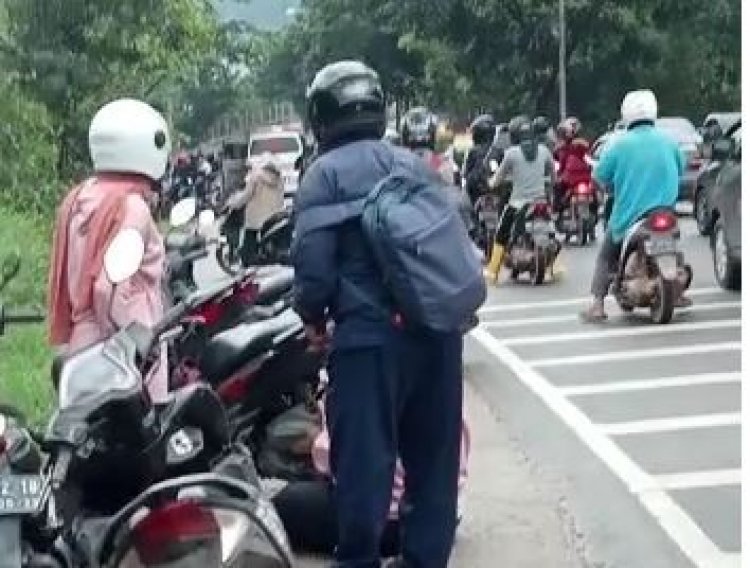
183, 212
206, 221
124, 255
10, 267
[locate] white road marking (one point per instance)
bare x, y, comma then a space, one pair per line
697, 479
576, 301
624, 332
637, 354
649, 384
518, 322
676, 523
671, 424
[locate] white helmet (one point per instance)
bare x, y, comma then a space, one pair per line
639, 106
129, 136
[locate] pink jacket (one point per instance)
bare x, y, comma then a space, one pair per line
140, 298
320, 456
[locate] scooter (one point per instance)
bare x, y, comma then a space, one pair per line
534, 246
652, 271
108, 443
576, 218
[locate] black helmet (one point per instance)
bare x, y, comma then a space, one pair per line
483, 129
540, 125
419, 129
346, 100
515, 126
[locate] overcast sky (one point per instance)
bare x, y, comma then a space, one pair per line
262, 13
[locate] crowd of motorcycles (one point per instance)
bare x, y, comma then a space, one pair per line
652, 273
118, 481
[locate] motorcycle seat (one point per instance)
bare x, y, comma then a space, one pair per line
273, 287
228, 351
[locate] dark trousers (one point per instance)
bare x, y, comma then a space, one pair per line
402, 398
249, 251
307, 510
511, 224
607, 264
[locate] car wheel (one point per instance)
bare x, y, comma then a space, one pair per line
727, 270
702, 212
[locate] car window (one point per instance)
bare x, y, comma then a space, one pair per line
275, 145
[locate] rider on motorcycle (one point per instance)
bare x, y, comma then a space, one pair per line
527, 164
475, 165
418, 133
541, 127
642, 170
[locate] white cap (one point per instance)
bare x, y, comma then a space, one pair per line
639, 105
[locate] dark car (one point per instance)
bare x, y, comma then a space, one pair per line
706, 184
684, 133
725, 202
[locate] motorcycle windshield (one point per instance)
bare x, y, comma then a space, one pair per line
201, 535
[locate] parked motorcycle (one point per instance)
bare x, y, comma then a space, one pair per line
576, 218
534, 246
273, 246
652, 272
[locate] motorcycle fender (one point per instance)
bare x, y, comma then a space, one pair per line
667, 264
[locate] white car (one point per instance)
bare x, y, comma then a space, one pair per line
286, 147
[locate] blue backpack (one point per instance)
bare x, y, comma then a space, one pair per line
430, 266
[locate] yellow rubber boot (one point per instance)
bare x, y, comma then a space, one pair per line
492, 271
558, 268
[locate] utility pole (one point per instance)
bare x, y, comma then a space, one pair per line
562, 64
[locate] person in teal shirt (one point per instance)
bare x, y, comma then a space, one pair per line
642, 169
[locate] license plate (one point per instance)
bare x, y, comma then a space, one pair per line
657, 246
20, 494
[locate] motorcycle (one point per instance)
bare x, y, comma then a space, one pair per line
487, 211
534, 245
273, 245
652, 271
20, 456
576, 218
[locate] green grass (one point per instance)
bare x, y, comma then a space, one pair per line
24, 354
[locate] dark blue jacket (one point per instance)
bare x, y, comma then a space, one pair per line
336, 275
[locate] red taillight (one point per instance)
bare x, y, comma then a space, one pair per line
210, 313
235, 389
662, 221
582, 189
164, 532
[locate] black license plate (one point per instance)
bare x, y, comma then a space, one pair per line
20, 494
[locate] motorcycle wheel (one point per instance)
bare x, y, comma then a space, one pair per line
539, 268
583, 233
662, 307
224, 262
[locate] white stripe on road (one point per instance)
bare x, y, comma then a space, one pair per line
671, 424
697, 479
576, 301
649, 384
676, 523
624, 332
518, 322
637, 354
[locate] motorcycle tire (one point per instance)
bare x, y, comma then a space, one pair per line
583, 234
662, 308
539, 268
222, 259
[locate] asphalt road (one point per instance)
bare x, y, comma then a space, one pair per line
640, 423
